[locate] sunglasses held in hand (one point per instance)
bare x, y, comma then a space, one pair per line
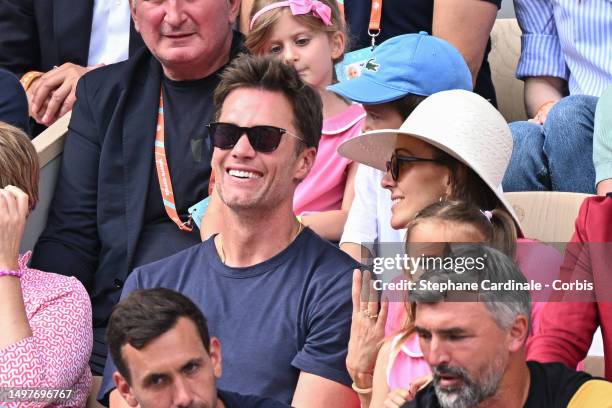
263, 138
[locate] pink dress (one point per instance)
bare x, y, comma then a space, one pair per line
56, 356
405, 362
323, 188
537, 261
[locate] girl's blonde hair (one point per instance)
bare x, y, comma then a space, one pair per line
18, 162
260, 31
496, 227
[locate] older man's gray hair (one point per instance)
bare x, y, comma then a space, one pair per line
504, 305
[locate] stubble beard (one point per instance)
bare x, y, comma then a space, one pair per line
471, 392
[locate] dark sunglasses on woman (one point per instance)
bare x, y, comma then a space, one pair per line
393, 165
263, 138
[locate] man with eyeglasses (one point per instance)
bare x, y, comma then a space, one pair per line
276, 295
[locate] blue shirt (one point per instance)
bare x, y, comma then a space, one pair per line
569, 39
234, 400
289, 314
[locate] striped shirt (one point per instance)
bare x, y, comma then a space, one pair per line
570, 39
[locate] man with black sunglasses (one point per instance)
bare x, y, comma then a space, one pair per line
276, 295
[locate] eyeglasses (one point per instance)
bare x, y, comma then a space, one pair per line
262, 138
393, 165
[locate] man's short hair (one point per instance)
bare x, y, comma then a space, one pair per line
270, 74
503, 305
145, 315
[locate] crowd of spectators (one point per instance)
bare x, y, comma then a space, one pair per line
309, 178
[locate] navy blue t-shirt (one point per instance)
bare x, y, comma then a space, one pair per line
234, 400
405, 17
288, 314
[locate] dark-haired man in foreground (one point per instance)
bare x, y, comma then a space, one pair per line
474, 343
165, 356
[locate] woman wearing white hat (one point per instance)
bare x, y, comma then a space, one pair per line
455, 145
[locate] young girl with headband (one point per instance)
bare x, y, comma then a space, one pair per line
310, 36
400, 361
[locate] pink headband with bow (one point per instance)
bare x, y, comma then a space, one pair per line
299, 7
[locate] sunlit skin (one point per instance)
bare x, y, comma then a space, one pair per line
191, 38
184, 377
420, 184
430, 236
382, 116
272, 176
310, 52
464, 335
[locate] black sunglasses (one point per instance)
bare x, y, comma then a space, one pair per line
393, 165
262, 138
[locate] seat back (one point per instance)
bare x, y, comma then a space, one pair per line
547, 216
503, 59
49, 145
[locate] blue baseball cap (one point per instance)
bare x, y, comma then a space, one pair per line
418, 64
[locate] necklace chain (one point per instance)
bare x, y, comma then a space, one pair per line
300, 228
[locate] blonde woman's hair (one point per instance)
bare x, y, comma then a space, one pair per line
18, 162
256, 38
496, 227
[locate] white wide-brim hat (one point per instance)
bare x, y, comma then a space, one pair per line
460, 123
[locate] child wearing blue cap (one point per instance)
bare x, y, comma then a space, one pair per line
402, 72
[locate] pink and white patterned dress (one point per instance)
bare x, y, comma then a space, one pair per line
56, 355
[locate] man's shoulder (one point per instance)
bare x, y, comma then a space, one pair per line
120, 75
325, 254
555, 385
235, 400
157, 273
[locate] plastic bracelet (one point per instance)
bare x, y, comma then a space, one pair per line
7, 272
361, 390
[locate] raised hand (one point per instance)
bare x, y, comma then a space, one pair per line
53, 94
367, 330
13, 214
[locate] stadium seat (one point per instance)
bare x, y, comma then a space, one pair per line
503, 59
549, 216
49, 145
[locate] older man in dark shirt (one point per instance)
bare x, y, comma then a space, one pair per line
136, 155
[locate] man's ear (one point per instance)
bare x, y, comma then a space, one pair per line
304, 163
215, 356
234, 9
124, 389
517, 335
134, 16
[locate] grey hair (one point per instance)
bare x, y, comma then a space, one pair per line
503, 305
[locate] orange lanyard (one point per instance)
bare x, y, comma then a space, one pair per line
163, 173
375, 16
